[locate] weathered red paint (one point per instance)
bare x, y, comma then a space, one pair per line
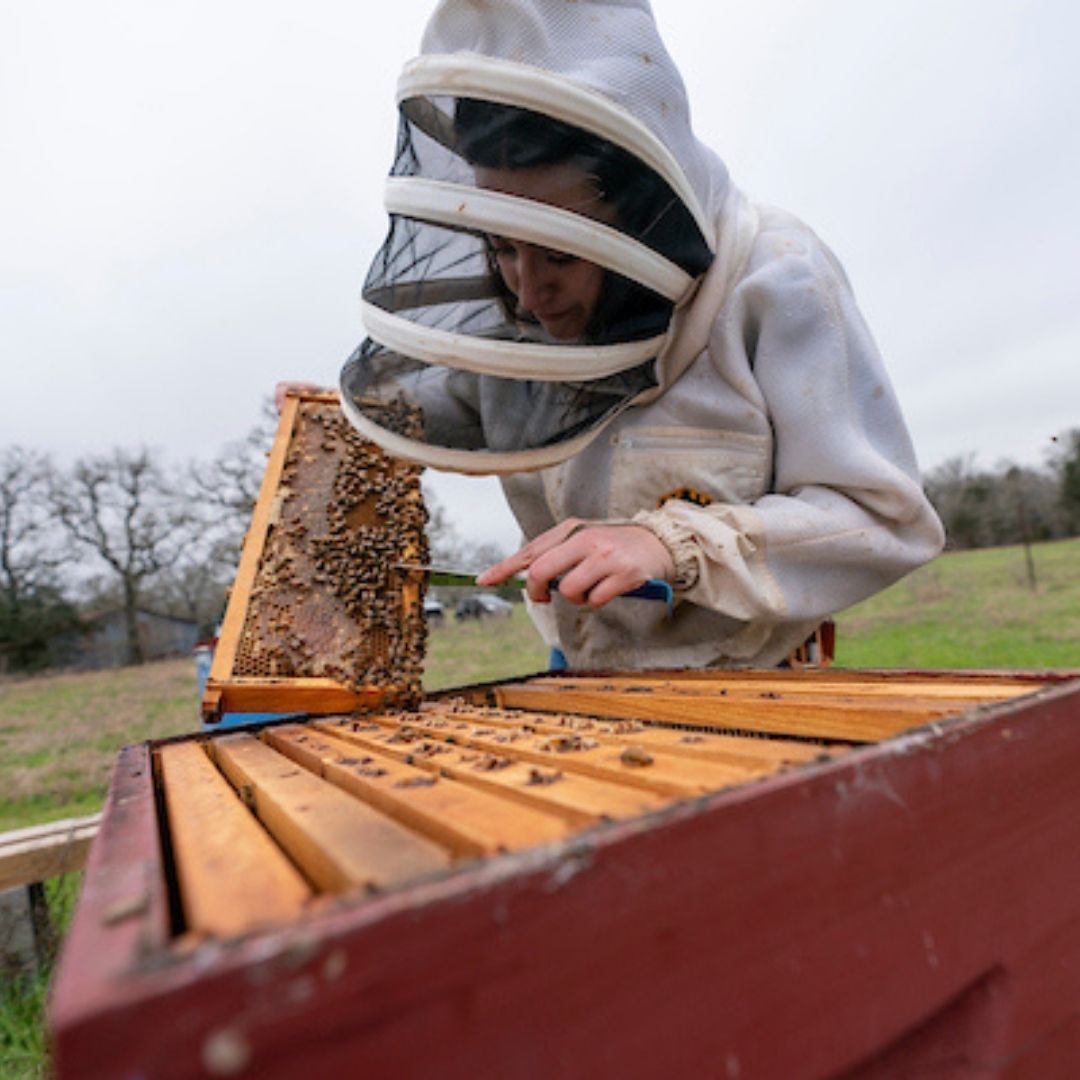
912, 907
122, 915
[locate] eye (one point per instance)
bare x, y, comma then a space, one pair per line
560, 258
500, 247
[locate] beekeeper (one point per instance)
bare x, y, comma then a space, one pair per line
671, 382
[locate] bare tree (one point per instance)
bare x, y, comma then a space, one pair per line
1064, 461
959, 492
32, 604
221, 496
444, 544
448, 548
28, 559
124, 510
1010, 504
196, 585
224, 489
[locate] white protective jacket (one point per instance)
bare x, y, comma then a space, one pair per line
787, 423
772, 459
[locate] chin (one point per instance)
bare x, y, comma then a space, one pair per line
563, 329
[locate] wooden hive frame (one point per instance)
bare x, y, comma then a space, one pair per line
228, 691
805, 873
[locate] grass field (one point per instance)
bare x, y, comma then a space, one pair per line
59, 734
972, 609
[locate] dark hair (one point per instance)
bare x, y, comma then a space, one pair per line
507, 137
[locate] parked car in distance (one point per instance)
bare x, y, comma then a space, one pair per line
434, 611
483, 606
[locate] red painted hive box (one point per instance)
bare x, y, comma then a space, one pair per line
748, 874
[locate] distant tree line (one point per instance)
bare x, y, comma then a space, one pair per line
1009, 504
117, 531
126, 531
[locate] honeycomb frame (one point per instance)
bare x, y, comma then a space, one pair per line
322, 618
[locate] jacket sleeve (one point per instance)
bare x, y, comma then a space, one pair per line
845, 515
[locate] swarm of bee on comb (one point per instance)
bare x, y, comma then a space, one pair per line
329, 600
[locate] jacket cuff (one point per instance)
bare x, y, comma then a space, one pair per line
680, 542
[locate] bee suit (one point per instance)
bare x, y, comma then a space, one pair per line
731, 399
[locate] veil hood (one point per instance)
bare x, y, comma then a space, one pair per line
454, 374
609, 47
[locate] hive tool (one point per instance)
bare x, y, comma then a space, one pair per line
653, 589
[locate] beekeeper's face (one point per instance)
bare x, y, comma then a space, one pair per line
559, 290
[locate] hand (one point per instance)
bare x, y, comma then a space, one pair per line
595, 563
282, 389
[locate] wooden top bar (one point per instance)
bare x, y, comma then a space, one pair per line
301, 811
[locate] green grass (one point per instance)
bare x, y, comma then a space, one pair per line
23, 1048
972, 609
482, 650
22, 1034
60, 733
40, 808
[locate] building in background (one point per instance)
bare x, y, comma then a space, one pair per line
101, 640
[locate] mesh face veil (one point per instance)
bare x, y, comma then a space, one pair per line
527, 283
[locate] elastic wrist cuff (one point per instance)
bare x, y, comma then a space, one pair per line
680, 543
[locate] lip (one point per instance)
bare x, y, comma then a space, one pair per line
552, 316
545, 316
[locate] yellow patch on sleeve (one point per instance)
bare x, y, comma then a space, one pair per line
687, 494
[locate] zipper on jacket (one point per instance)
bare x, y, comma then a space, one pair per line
685, 441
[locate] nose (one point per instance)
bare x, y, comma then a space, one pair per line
534, 280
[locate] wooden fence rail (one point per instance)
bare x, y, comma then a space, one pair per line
28, 856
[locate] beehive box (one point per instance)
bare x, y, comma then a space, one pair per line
652, 874
321, 617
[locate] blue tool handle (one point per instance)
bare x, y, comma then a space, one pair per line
653, 589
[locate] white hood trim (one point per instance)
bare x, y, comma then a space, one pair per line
472, 462
692, 324
507, 359
459, 205
510, 83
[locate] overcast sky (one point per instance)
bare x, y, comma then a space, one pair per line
190, 194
